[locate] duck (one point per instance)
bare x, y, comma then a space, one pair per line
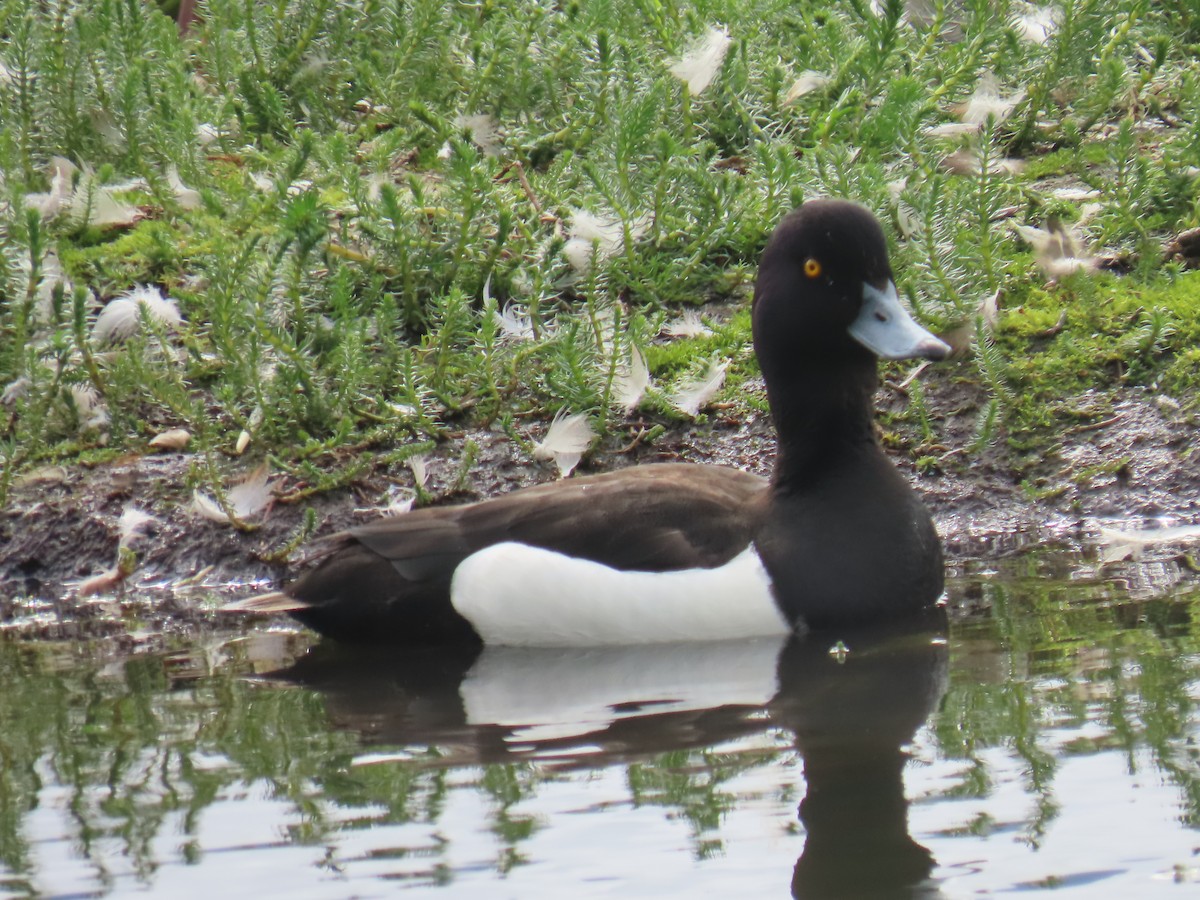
668, 552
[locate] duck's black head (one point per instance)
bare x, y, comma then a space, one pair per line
825, 291
825, 309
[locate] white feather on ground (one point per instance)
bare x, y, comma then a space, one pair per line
133, 524
50, 204
171, 439
1035, 23
808, 82
986, 102
187, 197
566, 440
701, 62
692, 395
89, 405
630, 382
420, 469
247, 499
603, 235
1058, 251
121, 316
687, 325
94, 204
484, 131
514, 322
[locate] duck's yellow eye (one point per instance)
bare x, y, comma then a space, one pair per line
812, 268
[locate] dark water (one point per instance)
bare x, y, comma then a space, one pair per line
1047, 741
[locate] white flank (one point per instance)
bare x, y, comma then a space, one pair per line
691, 396
699, 64
247, 499
101, 583
1075, 195
568, 692
517, 595
631, 382
807, 83
566, 440
686, 326
987, 103
120, 318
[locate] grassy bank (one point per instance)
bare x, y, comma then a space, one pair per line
318, 233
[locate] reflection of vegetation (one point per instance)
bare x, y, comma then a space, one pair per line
1054, 654
694, 784
126, 754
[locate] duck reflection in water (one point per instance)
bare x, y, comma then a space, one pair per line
852, 715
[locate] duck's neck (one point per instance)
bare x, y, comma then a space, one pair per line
823, 416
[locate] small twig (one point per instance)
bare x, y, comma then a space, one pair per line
1055, 328
1095, 426
516, 166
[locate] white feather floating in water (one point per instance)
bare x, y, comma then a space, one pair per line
631, 381
1116, 545
692, 395
566, 440
701, 62
247, 499
120, 318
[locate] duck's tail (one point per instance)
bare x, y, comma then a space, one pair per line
275, 602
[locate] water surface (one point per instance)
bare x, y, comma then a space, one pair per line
1045, 742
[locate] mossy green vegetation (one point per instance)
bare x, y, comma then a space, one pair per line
375, 219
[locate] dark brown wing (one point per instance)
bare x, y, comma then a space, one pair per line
650, 518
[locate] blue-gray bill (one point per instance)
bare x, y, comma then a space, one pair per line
885, 328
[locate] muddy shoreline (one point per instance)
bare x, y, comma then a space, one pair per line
1135, 467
